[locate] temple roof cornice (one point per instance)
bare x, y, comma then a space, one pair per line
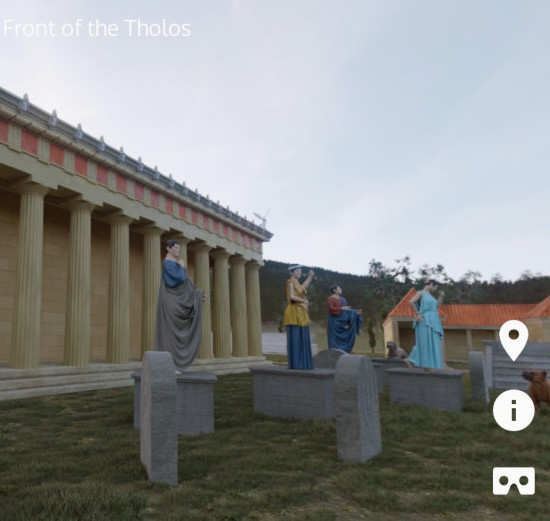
22, 113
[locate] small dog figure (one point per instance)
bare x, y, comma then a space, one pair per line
539, 388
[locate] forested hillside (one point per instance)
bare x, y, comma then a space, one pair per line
382, 287
273, 277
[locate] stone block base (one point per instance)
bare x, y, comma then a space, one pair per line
289, 393
358, 432
158, 440
435, 389
195, 402
381, 366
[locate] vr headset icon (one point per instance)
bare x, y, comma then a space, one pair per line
522, 477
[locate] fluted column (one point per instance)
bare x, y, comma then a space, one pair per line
221, 319
237, 283
25, 347
253, 309
118, 340
77, 325
151, 280
202, 281
184, 241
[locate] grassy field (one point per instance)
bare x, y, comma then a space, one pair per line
76, 457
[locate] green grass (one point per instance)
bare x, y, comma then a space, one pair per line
76, 457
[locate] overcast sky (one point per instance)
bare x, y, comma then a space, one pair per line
363, 129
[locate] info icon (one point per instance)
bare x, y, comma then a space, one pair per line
513, 410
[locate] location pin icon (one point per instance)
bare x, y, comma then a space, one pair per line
513, 346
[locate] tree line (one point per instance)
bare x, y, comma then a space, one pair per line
379, 291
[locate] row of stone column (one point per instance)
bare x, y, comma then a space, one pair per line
235, 321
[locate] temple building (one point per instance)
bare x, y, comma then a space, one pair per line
82, 231
466, 326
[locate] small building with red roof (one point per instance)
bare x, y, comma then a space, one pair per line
467, 325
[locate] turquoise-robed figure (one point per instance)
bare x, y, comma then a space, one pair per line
343, 322
428, 331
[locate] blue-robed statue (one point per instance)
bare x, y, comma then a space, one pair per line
179, 310
343, 323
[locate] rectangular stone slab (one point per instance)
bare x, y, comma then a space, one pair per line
358, 432
195, 402
435, 389
290, 393
158, 436
381, 366
195, 397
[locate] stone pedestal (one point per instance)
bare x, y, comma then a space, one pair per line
195, 402
195, 410
290, 393
435, 389
327, 359
381, 366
